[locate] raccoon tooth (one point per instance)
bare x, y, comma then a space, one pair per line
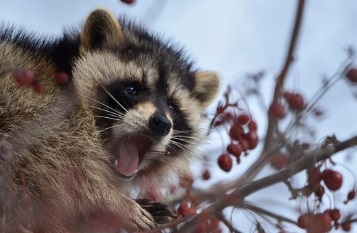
116, 163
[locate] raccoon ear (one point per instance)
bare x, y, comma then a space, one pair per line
100, 27
207, 86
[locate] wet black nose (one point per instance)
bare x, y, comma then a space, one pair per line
159, 124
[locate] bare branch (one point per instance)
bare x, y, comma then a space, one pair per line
284, 71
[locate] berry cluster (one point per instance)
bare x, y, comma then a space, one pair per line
294, 101
244, 137
26, 78
209, 224
322, 222
332, 179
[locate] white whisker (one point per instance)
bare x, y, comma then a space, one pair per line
114, 99
109, 118
114, 110
113, 114
111, 127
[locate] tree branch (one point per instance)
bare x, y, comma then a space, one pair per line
236, 197
284, 71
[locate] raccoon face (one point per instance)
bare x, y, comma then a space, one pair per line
146, 99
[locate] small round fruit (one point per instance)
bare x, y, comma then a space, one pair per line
332, 179
225, 162
335, 214
279, 161
243, 119
128, 1
37, 86
277, 110
184, 210
320, 191
351, 75
235, 149
252, 125
24, 77
304, 220
346, 226
62, 78
236, 131
206, 175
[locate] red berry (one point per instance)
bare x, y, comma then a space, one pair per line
287, 95
351, 195
320, 223
242, 119
235, 149
127, 1
245, 144
206, 175
335, 214
252, 125
253, 139
236, 131
295, 102
352, 75
304, 220
277, 110
279, 161
184, 210
37, 86
314, 177
24, 77
320, 191
62, 78
346, 226
225, 162
332, 179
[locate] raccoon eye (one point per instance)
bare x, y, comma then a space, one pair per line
130, 90
172, 109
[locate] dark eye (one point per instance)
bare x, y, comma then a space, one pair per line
172, 109
130, 90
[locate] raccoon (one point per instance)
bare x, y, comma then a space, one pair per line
128, 118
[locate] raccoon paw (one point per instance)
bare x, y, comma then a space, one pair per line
139, 219
159, 211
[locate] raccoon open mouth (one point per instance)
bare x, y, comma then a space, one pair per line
131, 152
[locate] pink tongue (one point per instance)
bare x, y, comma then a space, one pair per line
128, 160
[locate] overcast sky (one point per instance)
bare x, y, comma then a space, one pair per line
234, 38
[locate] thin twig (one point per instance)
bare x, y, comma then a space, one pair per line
284, 71
268, 213
227, 223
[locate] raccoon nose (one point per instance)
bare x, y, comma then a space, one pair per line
159, 124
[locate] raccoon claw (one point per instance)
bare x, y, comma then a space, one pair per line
159, 211
140, 219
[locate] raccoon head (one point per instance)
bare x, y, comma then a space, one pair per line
146, 98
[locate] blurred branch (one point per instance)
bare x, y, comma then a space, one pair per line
284, 71
269, 144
